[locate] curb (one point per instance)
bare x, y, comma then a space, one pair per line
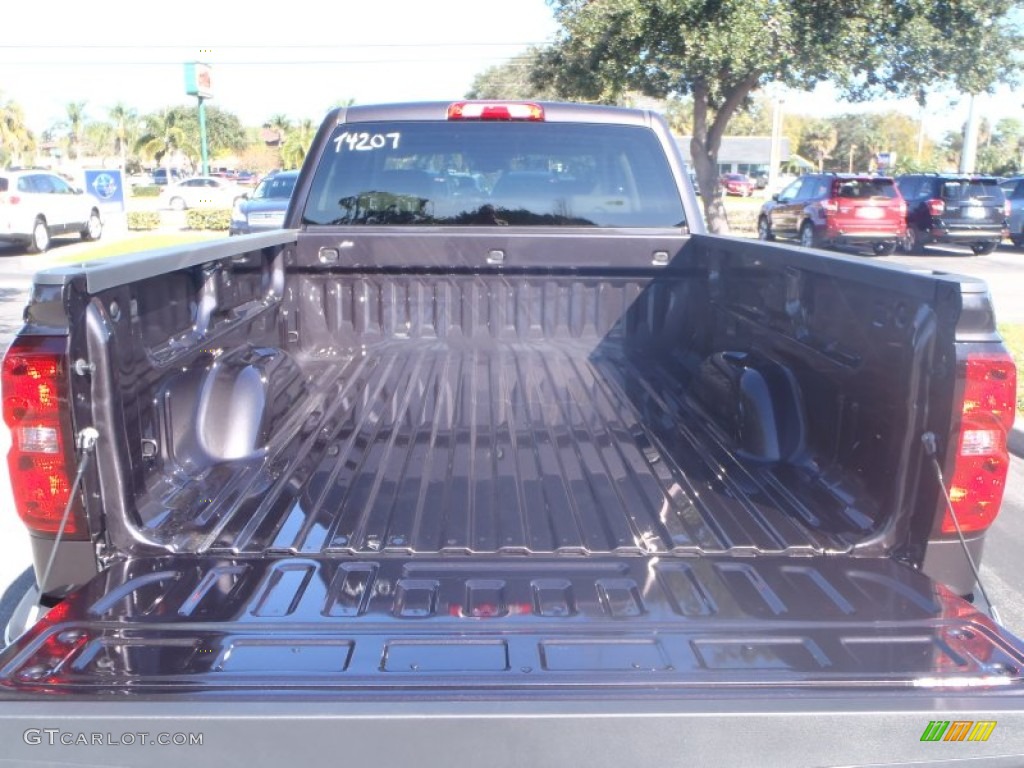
1016, 438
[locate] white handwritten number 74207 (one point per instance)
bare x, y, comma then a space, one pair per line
365, 142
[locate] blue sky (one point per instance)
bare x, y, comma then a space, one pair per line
298, 57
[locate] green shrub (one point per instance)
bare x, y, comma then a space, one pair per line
143, 220
148, 191
208, 218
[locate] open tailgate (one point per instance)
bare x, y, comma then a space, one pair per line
808, 645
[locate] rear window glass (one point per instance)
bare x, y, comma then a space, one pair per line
3, 184
986, 190
863, 189
494, 174
276, 187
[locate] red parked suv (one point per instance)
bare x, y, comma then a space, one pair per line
830, 209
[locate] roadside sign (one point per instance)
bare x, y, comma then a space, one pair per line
198, 80
107, 186
885, 160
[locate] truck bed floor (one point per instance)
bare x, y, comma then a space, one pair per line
546, 447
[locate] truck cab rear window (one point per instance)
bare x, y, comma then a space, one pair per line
494, 174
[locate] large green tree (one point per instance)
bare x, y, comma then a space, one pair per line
861, 136
224, 131
1002, 150
719, 52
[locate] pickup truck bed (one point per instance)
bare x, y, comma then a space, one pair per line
385, 475
514, 447
533, 414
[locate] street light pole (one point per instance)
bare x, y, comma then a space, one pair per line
853, 148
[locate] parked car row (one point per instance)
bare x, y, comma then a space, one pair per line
883, 213
242, 178
158, 176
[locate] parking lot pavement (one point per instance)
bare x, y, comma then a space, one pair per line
1003, 270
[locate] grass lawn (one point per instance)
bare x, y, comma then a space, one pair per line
136, 242
1013, 336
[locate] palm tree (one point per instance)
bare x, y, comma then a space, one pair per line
281, 124
76, 114
15, 137
821, 139
162, 137
297, 144
125, 122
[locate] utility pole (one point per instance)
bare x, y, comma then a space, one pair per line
853, 148
203, 144
775, 152
198, 83
969, 153
920, 137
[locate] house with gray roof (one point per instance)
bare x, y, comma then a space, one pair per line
742, 154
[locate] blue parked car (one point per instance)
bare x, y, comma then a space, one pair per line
264, 209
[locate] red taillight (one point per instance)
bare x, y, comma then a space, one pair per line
15, 199
936, 207
36, 408
495, 110
830, 206
982, 459
902, 208
1007, 208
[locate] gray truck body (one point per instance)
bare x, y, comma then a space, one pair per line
513, 494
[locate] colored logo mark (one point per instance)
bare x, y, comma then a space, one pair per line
105, 186
958, 730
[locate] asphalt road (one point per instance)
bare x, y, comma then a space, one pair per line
1001, 572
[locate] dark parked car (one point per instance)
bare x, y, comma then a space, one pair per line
953, 208
830, 209
159, 176
1014, 191
265, 208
